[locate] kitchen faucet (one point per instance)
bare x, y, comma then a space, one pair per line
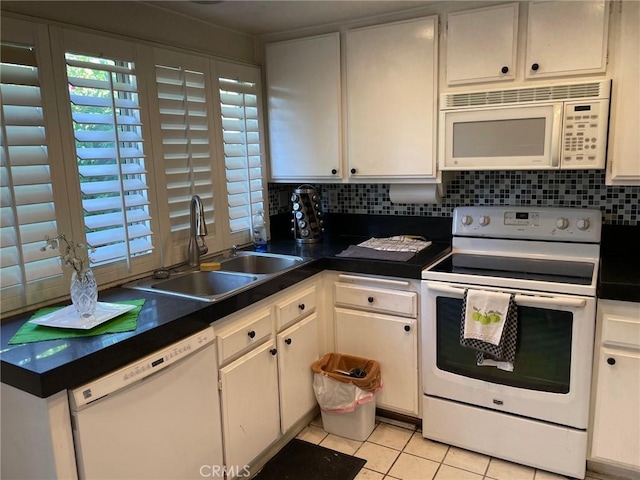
197, 231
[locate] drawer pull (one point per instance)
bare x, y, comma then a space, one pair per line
287, 341
301, 306
273, 351
611, 361
370, 299
407, 328
251, 333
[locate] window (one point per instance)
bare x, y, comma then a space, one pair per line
243, 156
111, 162
27, 209
106, 140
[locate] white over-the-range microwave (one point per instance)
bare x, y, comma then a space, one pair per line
533, 128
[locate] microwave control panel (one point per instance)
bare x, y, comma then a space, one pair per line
584, 141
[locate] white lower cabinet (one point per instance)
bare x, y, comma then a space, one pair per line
265, 380
298, 348
392, 342
364, 327
616, 408
250, 405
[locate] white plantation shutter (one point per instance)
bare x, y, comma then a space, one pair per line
110, 157
242, 152
27, 210
186, 144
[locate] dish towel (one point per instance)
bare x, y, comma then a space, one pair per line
398, 243
489, 325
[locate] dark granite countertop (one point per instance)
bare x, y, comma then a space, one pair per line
44, 368
620, 263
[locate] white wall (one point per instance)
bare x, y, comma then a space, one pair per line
141, 21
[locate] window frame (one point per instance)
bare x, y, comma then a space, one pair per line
51, 42
67, 40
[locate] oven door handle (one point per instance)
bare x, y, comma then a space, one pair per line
518, 298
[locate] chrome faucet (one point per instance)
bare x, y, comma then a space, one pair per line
197, 231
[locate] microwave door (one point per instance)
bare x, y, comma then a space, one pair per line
502, 138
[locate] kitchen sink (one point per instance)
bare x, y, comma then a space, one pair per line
206, 286
259, 263
236, 273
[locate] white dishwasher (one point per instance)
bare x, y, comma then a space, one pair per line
156, 418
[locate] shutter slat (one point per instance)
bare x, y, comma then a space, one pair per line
112, 203
102, 187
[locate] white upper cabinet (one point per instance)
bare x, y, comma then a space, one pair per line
391, 80
482, 45
566, 38
624, 141
303, 91
561, 39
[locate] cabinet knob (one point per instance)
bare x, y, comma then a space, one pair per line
301, 306
353, 171
287, 341
535, 67
407, 328
334, 171
273, 351
611, 361
504, 69
251, 334
370, 299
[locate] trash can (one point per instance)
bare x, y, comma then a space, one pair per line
345, 388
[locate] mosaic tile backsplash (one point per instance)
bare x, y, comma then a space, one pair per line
580, 189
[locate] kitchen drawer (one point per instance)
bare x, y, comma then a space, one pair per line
295, 307
620, 324
242, 335
395, 302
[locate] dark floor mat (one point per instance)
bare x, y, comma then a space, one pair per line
300, 460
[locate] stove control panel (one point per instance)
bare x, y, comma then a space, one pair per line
529, 223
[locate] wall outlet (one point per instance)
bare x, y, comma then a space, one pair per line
333, 198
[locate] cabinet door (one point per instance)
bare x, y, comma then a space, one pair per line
482, 45
297, 350
250, 419
303, 92
566, 38
616, 426
391, 79
624, 142
391, 341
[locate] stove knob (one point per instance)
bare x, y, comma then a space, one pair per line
583, 224
467, 220
562, 223
484, 220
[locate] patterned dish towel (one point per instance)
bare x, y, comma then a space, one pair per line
492, 331
398, 243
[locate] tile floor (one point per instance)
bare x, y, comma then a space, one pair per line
397, 450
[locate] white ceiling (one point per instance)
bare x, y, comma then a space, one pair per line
274, 16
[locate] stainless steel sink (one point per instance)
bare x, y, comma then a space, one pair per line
259, 263
236, 274
206, 286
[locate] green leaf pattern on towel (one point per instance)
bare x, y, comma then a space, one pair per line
486, 318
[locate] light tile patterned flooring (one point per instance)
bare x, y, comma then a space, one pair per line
397, 450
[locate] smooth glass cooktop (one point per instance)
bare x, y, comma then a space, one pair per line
556, 271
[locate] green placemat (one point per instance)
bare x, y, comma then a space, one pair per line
30, 332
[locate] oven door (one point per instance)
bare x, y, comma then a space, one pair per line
552, 370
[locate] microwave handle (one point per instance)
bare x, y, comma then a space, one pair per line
529, 299
556, 131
